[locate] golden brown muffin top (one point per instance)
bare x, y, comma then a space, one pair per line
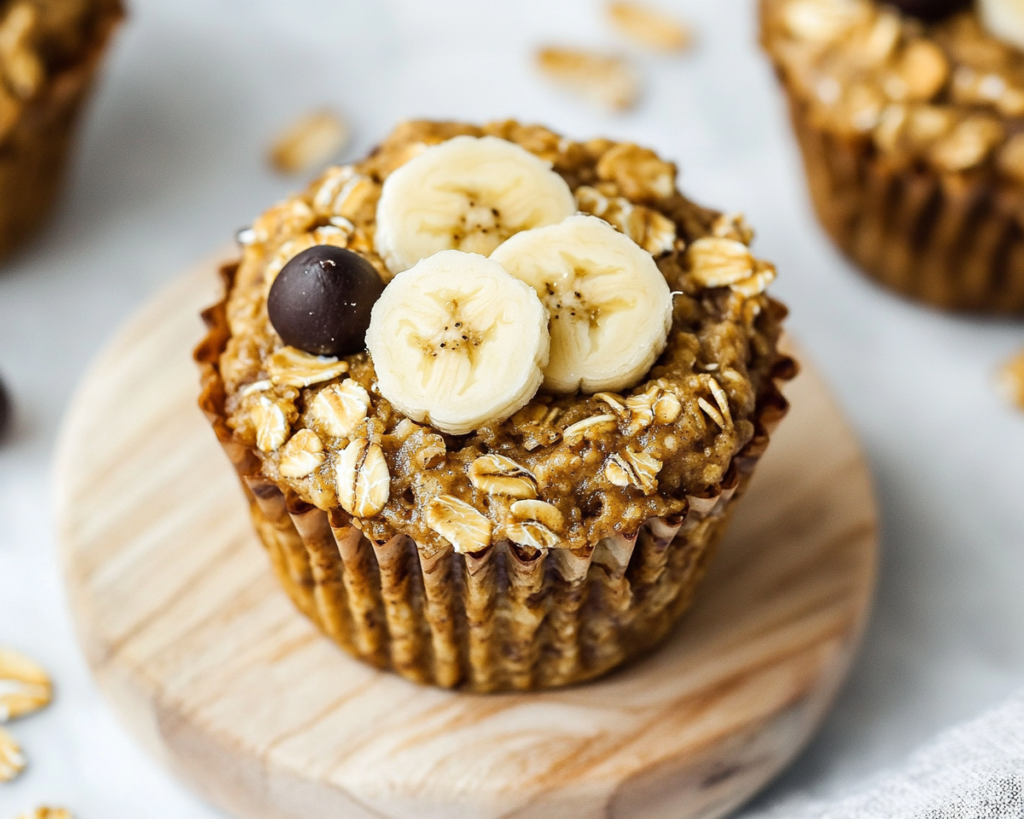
41, 38
947, 95
597, 464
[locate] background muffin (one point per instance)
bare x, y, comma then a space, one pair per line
909, 117
552, 544
49, 53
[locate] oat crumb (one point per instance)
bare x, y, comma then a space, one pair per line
607, 80
309, 142
649, 26
1011, 380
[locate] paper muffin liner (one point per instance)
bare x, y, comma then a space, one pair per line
954, 241
35, 151
508, 618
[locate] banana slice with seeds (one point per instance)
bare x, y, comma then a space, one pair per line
609, 305
467, 194
458, 343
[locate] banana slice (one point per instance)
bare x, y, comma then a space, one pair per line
1004, 19
458, 343
466, 194
610, 307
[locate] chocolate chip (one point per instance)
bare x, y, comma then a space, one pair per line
5, 411
320, 302
931, 10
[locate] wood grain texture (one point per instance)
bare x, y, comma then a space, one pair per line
208, 663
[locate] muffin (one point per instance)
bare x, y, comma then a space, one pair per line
910, 118
569, 373
49, 53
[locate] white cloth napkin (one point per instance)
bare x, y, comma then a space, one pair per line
972, 771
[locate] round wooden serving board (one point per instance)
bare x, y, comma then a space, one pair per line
213, 669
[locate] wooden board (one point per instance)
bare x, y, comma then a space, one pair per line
222, 679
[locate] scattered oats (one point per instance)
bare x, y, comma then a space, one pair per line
363, 480
923, 69
641, 409
639, 172
653, 231
634, 469
1011, 158
667, 408
617, 471
309, 142
405, 429
459, 523
711, 411
357, 192
733, 226
433, 452
650, 26
302, 455
286, 218
12, 762
575, 433
332, 181
22, 67
294, 368
613, 401
535, 523
969, 144
24, 686
591, 200
824, 21
47, 813
721, 399
607, 80
1011, 380
344, 224
718, 262
756, 284
340, 408
498, 475
256, 386
882, 38
271, 424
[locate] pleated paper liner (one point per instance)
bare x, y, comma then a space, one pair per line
953, 241
508, 618
34, 154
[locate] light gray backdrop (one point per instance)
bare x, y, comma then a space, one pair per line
172, 163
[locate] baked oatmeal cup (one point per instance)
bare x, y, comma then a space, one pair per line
569, 374
50, 51
910, 119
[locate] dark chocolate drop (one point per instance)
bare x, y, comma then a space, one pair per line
320, 302
931, 10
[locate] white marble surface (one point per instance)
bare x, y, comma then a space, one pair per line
172, 163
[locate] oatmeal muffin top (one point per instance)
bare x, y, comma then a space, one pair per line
562, 471
934, 88
39, 39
